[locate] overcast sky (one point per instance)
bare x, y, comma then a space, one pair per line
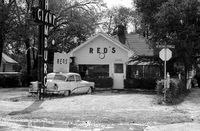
111, 3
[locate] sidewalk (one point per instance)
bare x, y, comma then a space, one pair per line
175, 127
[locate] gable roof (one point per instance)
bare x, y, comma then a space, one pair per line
8, 59
138, 44
109, 38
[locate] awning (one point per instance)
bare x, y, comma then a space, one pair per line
142, 63
8, 59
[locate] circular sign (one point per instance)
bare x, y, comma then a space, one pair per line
101, 55
165, 54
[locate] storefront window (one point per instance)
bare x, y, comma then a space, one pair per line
139, 71
94, 71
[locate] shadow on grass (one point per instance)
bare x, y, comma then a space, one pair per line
33, 107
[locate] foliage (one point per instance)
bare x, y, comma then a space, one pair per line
140, 83
174, 93
174, 22
76, 21
5, 22
117, 16
10, 80
180, 26
147, 9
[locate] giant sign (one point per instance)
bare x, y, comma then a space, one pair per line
44, 18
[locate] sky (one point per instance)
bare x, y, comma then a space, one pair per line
111, 3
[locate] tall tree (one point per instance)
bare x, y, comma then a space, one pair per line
117, 16
178, 23
21, 33
24, 32
76, 21
5, 8
147, 9
174, 22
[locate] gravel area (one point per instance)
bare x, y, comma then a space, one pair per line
105, 110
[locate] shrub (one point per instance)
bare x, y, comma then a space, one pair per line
172, 94
160, 87
141, 83
101, 82
10, 80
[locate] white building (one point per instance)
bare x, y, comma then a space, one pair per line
104, 56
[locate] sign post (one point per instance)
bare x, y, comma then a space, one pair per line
44, 18
165, 54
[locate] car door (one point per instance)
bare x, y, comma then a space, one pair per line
81, 88
72, 82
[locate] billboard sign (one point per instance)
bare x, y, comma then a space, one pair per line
61, 62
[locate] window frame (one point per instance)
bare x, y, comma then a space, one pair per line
117, 71
68, 79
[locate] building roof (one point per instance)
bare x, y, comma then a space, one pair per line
134, 42
8, 59
138, 44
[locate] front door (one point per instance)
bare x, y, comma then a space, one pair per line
118, 76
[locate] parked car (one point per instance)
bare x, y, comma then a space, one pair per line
64, 83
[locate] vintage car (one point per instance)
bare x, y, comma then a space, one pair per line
64, 83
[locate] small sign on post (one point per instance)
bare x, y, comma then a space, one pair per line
165, 54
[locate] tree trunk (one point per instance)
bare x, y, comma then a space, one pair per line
28, 60
35, 54
2, 38
2, 33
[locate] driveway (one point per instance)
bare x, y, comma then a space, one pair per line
103, 110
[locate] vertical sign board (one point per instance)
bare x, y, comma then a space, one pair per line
61, 62
45, 53
45, 18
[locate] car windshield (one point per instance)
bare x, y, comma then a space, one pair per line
56, 77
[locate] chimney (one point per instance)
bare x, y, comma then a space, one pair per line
121, 33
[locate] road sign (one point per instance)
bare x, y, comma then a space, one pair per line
165, 54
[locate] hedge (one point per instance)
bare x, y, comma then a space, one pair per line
172, 94
140, 83
10, 81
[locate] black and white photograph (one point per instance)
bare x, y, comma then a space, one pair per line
99, 65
